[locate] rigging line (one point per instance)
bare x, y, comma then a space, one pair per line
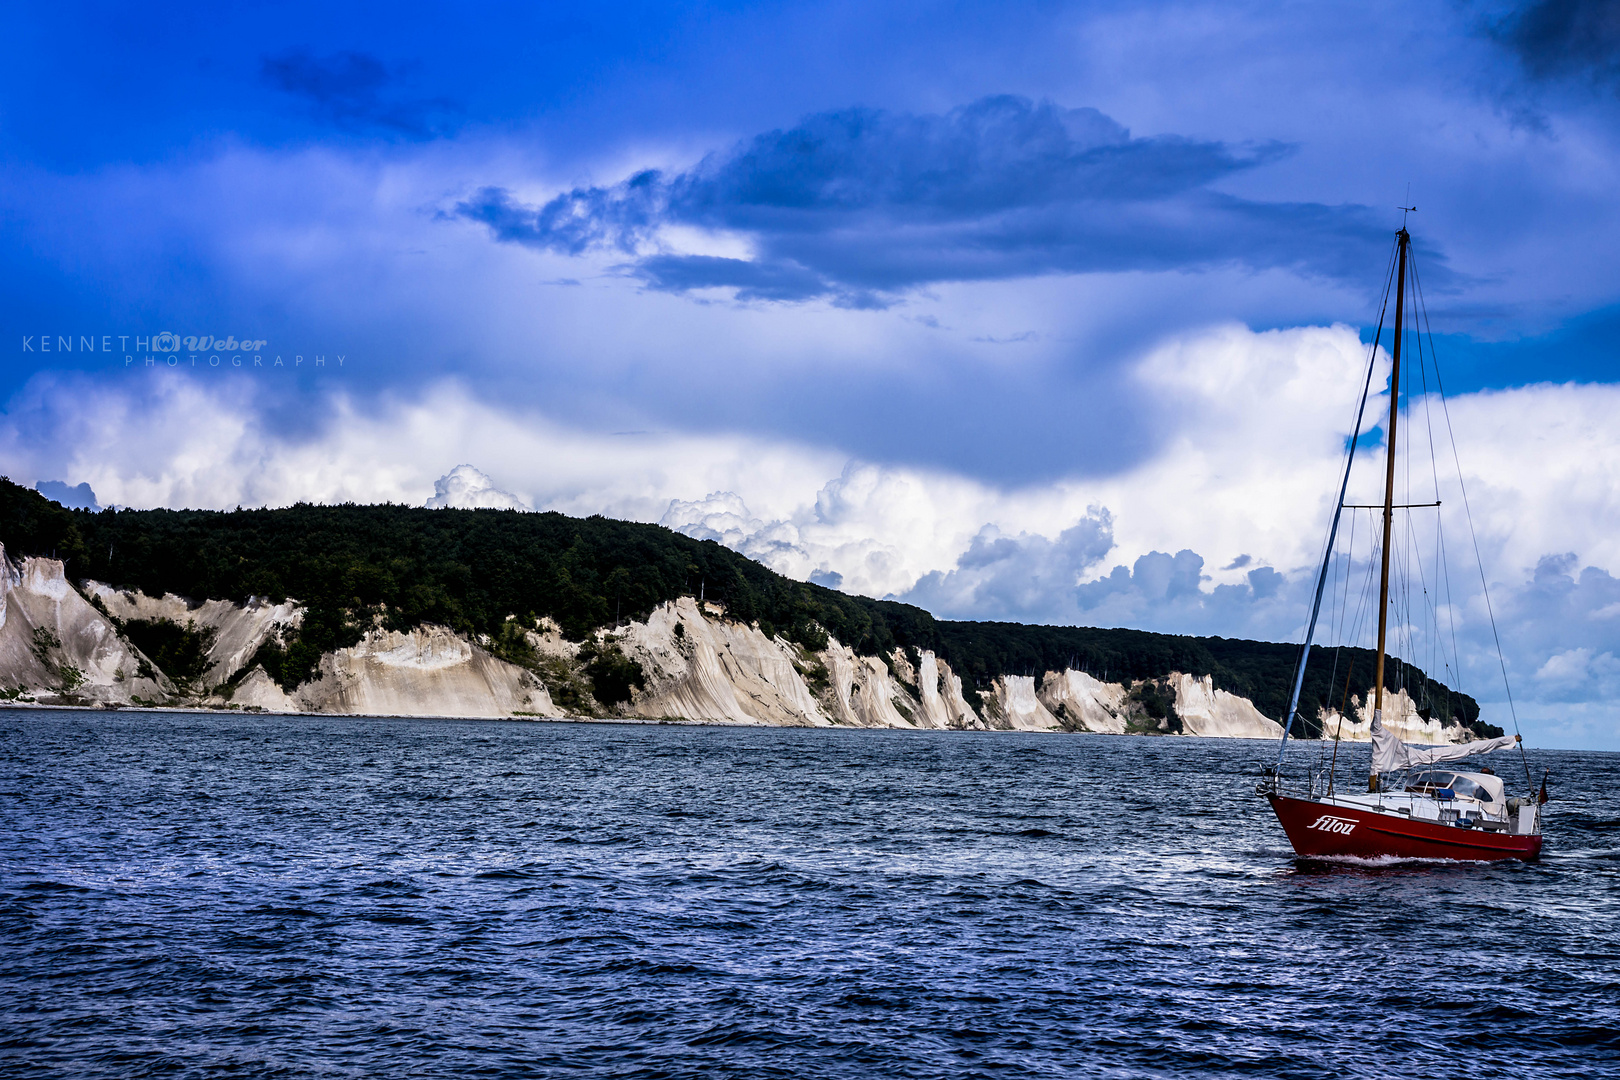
1424, 678
1333, 558
1400, 597
1474, 536
1364, 601
1411, 556
1430, 611
1333, 529
1364, 595
1343, 608
1374, 559
1353, 624
1419, 607
1349, 569
1341, 612
1442, 559
1342, 604
1404, 606
1451, 606
1338, 732
1426, 358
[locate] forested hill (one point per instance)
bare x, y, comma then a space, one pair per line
470, 569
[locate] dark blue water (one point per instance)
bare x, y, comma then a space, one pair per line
226, 896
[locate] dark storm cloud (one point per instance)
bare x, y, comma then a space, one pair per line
356, 91
861, 204
764, 280
1559, 38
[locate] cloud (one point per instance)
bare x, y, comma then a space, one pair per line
845, 535
465, 488
724, 518
1011, 339
860, 205
1565, 38
1156, 578
1166, 592
78, 497
356, 91
751, 279
1567, 617
1023, 578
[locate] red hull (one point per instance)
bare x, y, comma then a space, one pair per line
1320, 829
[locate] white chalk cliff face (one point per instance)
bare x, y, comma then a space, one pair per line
53, 642
703, 669
942, 704
428, 671
1086, 703
699, 666
1214, 713
1020, 707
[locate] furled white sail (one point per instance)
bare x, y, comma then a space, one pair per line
1389, 754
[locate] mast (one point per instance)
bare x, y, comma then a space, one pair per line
1402, 238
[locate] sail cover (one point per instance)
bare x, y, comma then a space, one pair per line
1389, 754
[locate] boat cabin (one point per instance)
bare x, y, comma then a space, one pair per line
1468, 800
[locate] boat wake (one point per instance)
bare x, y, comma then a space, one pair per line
1369, 862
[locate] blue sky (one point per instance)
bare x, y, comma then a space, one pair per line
790, 269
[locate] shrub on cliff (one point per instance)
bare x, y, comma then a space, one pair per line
180, 652
613, 675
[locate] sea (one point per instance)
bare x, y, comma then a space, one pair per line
187, 895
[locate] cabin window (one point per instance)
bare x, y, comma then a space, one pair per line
1429, 782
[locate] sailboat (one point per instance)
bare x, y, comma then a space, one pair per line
1418, 804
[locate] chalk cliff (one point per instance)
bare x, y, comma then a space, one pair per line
697, 665
428, 671
1014, 703
239, 629
1401, 717
941, 702
716, 670
55, 645
700, 667
1214, 713
1084, 702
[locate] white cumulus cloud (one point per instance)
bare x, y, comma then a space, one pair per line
465, 488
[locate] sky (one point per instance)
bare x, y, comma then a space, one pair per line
1049, 312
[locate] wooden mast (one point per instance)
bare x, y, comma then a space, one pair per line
1402, 238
